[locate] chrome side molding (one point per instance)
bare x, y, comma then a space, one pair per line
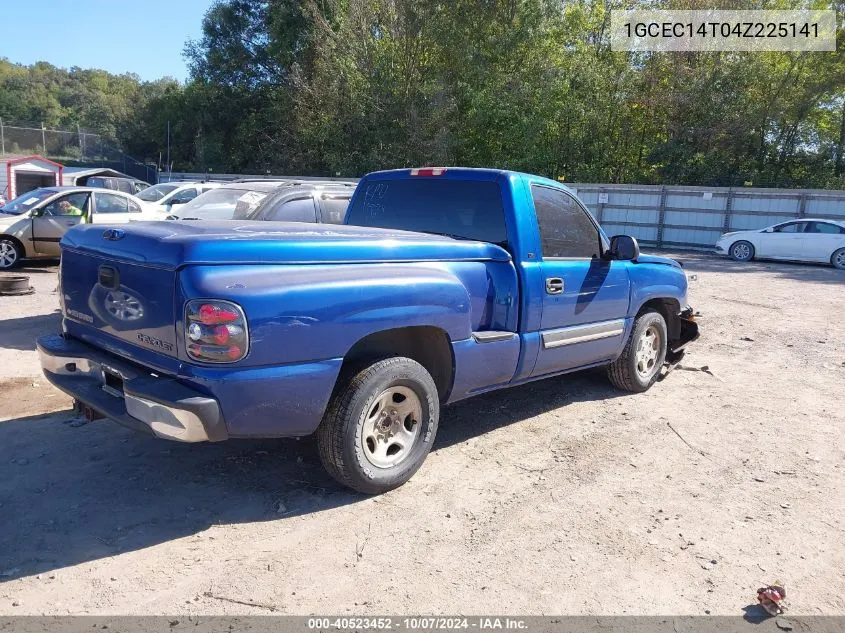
582, 333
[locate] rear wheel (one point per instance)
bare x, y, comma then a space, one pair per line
644, 354
838, 259
10, 254
742, 251
380, 426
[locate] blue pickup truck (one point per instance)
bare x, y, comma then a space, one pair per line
444, 284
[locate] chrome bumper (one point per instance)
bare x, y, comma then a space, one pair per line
128, 395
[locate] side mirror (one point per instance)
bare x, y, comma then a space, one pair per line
624, 247
37, 213
769, 230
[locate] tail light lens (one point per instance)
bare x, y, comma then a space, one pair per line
215, 331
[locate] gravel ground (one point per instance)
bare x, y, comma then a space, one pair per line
561, 497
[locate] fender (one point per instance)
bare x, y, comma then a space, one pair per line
656, 281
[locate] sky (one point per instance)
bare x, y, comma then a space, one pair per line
146, 38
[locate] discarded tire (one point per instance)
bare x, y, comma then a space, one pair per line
13, 285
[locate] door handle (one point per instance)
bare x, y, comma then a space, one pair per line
554, 285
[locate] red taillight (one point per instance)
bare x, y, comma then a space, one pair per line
428, 171
215, 331
209, 314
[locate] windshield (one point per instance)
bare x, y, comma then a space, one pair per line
26, 201
156, 192
459, 208
221, 204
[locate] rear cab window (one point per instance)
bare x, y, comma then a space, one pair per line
463, 209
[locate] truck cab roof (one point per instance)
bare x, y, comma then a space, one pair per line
462, 173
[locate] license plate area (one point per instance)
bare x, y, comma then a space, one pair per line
112, 383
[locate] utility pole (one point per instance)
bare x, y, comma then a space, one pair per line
2, 140
43, 139
81, 148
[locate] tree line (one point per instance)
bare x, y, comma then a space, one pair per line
343, 87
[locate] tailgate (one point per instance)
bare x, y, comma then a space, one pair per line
109, 297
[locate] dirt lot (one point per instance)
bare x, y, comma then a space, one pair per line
561, 497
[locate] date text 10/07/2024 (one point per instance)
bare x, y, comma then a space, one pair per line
418, 623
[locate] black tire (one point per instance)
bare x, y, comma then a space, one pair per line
341, 439
624, 372
837, 260
741, 251
10, 254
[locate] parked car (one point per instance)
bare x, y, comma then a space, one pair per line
126, 185
31, 225
305, 202
805, 240
443, 284
224, 202
163, 197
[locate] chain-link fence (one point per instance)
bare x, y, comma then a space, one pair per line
72, 149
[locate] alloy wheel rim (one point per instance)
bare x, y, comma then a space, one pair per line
840, 259
391, 427
741, 251
648, 350
8, 255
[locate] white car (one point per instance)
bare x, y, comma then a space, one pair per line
163, 197
32, 225
804, 240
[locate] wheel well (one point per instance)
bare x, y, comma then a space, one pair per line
669, 309
429, 346
12, 238
747, 241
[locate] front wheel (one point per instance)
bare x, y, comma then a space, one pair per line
645, 352
380, 426
742, 251
10, 254
838, 259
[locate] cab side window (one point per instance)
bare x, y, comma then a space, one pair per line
334, 209
565, 228
110, 203
297, 210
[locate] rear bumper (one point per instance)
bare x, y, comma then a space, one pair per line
132, 397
